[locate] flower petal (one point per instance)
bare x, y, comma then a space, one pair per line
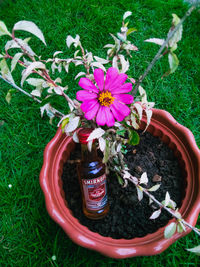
109, 117
84, 95
125, 88
117, 114
101, 116
90, 114
111, 76
118, 82
88, 105
123, 109
124, 98
99, 78
86, 84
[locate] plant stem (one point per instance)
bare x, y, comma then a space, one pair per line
57, 113
157, 56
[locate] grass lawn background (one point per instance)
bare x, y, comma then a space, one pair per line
28, 236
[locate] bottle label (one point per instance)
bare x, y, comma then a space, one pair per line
95, 192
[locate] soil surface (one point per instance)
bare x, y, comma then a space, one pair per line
128, 218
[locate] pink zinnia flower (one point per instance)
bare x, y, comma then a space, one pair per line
106, 100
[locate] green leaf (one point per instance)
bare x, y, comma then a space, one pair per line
195, 250
134, 138
170, 230
120, 180
64, 123
130, 31
106, 152
3, 29
121, 132
9, 95
173, 62
5, 71
31, 27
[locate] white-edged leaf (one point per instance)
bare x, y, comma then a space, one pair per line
124, 64
115, 63
36, 92
79, 75
108, 46
195, 250
75, 137
70, 40
170, 230
49, 110
15, 60
155, 214
154, 188
126, 175
149, 113
89, 145
95, 134
72, 125
98, 65
101, 60
57, 53
127, 14
155, 41
144, 178
139, 194
143, 94
139, 109
119, 146
31, 27
5, 72
180, 227
58, 90
102, 144
134, 122
178, 34
35, 81
3, 29
30, 68
173, 62
20, 42
167, 199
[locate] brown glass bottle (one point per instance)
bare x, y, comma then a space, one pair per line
92, 179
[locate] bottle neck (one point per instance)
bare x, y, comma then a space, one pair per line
87, 155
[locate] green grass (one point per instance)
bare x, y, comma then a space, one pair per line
28, 236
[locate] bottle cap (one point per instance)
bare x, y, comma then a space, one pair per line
83, 135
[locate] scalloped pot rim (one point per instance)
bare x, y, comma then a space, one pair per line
177, 137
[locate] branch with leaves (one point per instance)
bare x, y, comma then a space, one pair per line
107, 102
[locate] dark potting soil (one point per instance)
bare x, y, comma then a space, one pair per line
128, 217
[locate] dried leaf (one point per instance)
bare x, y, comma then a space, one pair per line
106, 152
31, 27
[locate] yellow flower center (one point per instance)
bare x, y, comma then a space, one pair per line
106, 99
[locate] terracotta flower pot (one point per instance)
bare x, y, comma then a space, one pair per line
178, 138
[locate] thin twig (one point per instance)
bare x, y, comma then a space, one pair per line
157, 56
56, 112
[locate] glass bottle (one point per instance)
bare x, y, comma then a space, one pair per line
92, 179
